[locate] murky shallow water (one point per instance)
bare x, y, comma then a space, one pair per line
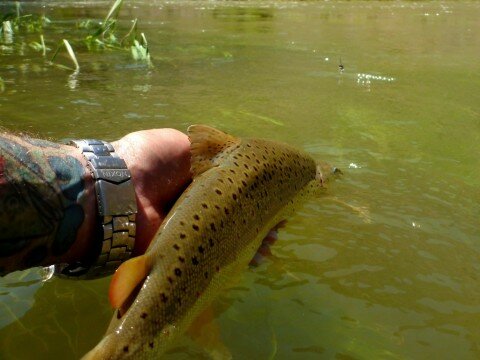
387, 265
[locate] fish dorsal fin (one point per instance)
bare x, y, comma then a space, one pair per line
206, 144
126, 279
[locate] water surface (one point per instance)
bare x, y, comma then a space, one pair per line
386, 265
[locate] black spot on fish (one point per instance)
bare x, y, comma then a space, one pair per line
181, 259
218, 191
210, 241
212, 226
182, 223
151, 345
175, 246
196, 217
201, 249
195, 227
227, 211
183, 236
125, 348
217, 268
246, 166
232, 171
205, 206
194, 260
231, 180
144, 315
206, 274
178, 272
170, 280
234, 196
163, 298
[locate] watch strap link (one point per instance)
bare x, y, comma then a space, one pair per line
116, 208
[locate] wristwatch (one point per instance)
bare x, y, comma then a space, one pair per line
117, 210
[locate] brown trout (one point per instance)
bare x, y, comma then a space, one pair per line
241, 189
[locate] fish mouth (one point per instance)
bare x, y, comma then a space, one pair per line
326, 172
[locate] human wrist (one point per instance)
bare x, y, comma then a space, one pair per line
114, 233
86, 235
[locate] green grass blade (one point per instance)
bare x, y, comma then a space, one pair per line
44, 48
133, 29
114, 10
71, 53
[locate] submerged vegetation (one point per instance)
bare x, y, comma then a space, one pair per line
100, 36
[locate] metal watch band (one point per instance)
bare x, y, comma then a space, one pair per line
117, 209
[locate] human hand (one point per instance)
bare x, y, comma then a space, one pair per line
159, 161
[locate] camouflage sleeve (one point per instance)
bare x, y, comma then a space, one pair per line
46, 203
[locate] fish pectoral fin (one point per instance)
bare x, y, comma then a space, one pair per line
126, 279
206, 143
205, 331
264, 251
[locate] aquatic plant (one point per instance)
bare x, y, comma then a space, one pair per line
139, 50
101, 35
14, 21
40, 46
104, 35
70, 52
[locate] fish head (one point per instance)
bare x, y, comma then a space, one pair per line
326, 173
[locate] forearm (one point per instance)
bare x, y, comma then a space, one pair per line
47, 204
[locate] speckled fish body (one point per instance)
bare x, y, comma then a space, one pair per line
241, 189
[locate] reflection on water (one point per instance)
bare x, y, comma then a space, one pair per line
386, 264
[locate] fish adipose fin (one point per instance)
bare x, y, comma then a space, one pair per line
126, 279
206, 144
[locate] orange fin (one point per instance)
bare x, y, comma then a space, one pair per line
206, 144
264, 250
126, 279
205, 331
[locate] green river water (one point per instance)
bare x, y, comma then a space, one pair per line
385, 265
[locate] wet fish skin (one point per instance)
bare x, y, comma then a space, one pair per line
241, 189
